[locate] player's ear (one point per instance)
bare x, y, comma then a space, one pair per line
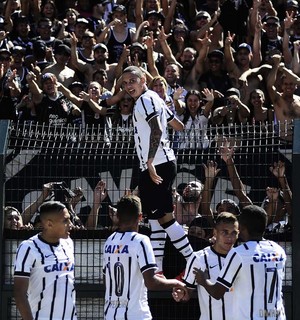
214, 232
140, 217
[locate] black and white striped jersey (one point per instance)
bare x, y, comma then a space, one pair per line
254, 271
50, 269
126, 256
147, 106
210, 308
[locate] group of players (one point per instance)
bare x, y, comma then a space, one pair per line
233, 283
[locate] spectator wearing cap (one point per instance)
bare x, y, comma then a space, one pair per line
204, 23
153, 22
292, 7
59, 68
81, 26
240, 64
116, 34
52, 106
143, 7
272, 43
9, 86
215, 78
101, 55
259, 8
233, 112
76, 87
86, 52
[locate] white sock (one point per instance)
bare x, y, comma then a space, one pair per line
178, 238
158, 240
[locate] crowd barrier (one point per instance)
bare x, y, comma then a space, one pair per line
36, 154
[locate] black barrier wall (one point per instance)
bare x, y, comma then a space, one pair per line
37, 155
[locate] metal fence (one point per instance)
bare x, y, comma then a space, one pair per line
33, 155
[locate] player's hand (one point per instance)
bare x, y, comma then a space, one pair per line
152, 172
200, 276
179, 294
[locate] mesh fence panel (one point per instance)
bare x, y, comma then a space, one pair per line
80, 157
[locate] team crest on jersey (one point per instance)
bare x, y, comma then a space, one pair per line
262, 257
63, 266
116, 249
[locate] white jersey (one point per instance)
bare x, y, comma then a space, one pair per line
210, 308
254, 272
50, 269
148, 106
194, 135
126, 256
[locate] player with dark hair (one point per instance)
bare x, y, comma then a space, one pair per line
129, 267
253, 271
44, 268
212, 259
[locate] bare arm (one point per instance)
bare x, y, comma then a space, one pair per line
211, 172
150, 57
155, 282
162, 37
230, 65
205, 42
176, 124
100, 193
278, 170
257, 56
37, 93
286, 50
33, 207
209, 97
76, 62
169, 16
296, 60
20, 294
274, 95
226, 153
138, 13
76, 100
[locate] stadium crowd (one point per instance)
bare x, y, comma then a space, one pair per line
212, 62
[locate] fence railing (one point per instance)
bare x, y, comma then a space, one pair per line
37, 154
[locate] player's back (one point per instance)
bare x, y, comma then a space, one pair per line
126, 256
256, 270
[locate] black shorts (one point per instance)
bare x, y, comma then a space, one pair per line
157, 199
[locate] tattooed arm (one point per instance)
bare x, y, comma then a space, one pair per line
155, 136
